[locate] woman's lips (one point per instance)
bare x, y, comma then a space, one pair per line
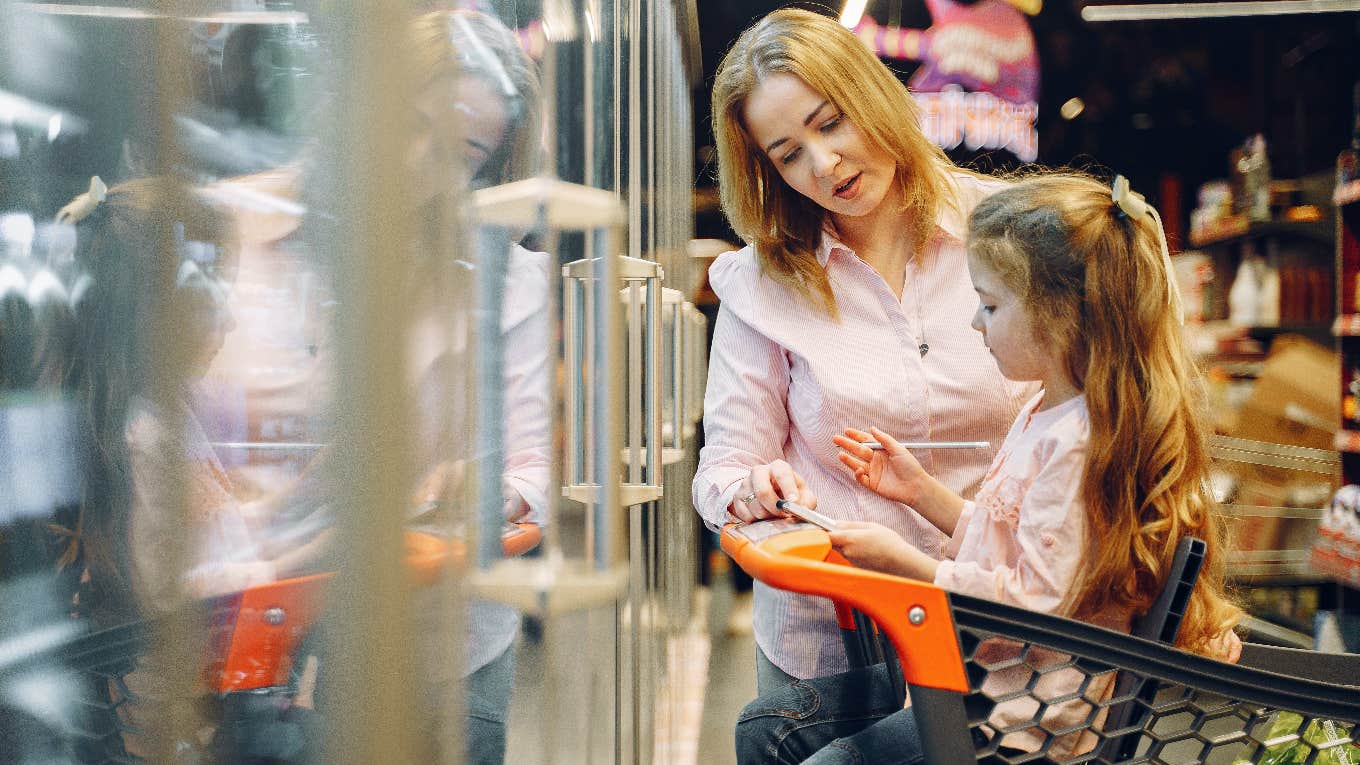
850, 188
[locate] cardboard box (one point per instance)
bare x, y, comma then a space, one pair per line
1297, 398
1296, 401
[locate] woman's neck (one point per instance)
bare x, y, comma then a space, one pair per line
879, 239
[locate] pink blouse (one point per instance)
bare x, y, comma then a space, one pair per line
1020, 542
784, 378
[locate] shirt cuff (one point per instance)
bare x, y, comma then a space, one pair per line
717, 514
951, 547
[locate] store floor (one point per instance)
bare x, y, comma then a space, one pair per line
731, 680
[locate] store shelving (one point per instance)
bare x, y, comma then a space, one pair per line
1235, 229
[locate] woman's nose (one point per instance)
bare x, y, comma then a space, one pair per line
824, 160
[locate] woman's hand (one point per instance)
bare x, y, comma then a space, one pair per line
766, 485
516, 508
879, 548
891, 472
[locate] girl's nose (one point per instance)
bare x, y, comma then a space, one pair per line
977, 322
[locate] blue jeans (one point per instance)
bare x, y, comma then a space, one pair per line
769, 678
847, 718
488, 699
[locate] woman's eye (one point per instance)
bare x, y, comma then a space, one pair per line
791, 156
832, 124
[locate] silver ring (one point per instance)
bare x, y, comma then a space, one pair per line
746, 500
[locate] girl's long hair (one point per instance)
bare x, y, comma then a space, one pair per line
131, 280
784, 226
1094, 279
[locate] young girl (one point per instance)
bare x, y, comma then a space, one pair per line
1098, 480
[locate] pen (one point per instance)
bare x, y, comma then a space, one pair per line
876, 446
806, 514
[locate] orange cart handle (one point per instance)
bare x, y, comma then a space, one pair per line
915, 615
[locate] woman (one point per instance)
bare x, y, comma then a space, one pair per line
478, 124
851, 302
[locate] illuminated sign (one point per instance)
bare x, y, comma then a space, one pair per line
978, 83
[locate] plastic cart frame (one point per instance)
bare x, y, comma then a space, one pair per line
1277, 705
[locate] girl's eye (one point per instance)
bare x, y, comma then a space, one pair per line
791, 156
988, 309
832, 124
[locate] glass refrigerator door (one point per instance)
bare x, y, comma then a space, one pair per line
332, 362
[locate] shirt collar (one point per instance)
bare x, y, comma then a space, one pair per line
950, 224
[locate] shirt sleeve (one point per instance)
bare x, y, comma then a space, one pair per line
154, 527
1050, 537
746, 420
528, 463
951, 549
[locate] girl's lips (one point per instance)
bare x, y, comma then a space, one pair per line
850, 189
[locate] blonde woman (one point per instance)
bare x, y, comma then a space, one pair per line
851, 303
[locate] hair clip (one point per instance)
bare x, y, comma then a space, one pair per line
1134, 205
82, 205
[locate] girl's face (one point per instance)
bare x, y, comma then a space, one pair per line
1007, 329
816, 149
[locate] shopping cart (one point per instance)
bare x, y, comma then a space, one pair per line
1166, 706
247, 680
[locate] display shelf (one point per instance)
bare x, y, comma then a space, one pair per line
1229, 231
1346, 193
1317, 332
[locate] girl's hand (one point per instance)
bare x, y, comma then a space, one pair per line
879, 548
767, 484
892, 472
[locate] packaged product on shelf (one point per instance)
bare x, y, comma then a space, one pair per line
1337, 549
1251, 175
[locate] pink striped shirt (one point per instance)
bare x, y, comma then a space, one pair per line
783, 379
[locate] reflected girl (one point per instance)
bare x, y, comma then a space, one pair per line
129, 517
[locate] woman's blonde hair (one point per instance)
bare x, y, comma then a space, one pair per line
448, 44
1095, 280
784, 226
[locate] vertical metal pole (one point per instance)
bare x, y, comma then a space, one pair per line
177, 645
493, 253
373, 705
634, 298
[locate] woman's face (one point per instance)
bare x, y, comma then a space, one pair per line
460, 124
815, 147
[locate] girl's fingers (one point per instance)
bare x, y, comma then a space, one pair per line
854, 447
858, 435
890, 444
854, 463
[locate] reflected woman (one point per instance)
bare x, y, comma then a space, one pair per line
479, 125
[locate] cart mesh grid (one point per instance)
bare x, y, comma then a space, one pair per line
1051, 690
